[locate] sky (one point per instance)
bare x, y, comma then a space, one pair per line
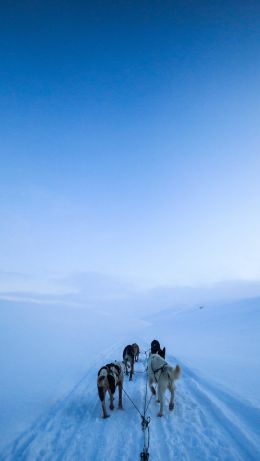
130, 140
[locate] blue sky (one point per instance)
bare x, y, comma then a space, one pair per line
130, 139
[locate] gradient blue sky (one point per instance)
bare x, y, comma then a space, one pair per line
130, 139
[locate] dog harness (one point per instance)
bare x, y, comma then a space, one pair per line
158, 369
113, 369
109, 367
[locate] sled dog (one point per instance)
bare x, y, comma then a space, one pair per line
129, 357
156, 348
109, 377
164, 375
136, 351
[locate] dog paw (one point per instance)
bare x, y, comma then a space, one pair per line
153, 390
159, 414
111, 407
171, 406
106, 416
120, 407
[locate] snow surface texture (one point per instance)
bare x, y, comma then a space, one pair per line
209, 422
206, 424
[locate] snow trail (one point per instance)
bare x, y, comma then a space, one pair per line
206, 424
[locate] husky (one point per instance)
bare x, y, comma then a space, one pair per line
156, 348
129, 356
109, 377
136, 351
164, 375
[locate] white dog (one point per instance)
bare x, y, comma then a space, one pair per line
109, 377
162, 374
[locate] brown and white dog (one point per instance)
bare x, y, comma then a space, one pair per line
129, 357
164, 375
109, 377
136, 351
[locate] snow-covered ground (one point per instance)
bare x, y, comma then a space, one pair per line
50, 355
221, 340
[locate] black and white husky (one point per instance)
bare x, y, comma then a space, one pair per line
109, 377
164, 375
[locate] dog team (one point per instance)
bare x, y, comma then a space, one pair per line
160, 373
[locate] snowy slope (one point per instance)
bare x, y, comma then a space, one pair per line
220, 339
206, 424
44, 350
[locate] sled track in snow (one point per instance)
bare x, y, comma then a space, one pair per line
206, 424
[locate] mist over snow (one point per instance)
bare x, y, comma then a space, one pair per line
90, 289
49, 341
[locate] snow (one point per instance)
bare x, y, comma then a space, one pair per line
50, 355
221, 340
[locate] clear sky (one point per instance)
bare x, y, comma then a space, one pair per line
130, 139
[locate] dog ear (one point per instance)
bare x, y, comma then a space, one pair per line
112, 384
163, 352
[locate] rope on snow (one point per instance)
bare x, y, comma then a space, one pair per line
145, 420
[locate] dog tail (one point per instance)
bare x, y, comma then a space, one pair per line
177, 372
